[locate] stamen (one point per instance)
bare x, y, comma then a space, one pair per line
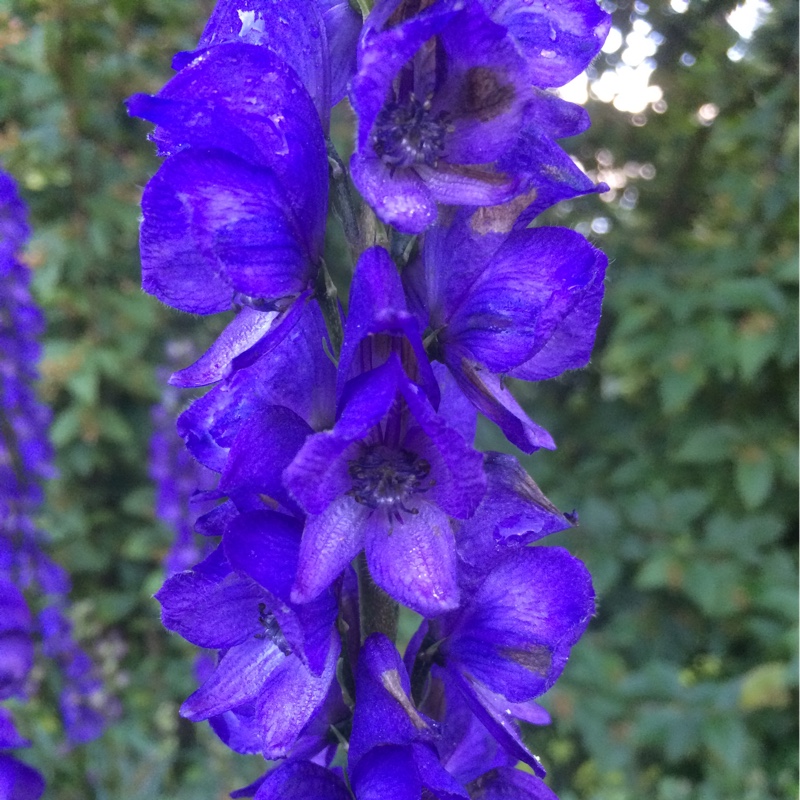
385, 477
407, 133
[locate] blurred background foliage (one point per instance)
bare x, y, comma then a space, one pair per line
678, 445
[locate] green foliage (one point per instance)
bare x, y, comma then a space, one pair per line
678, 445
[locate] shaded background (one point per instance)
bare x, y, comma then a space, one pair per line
678, 445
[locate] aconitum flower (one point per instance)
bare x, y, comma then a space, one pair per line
558, 40
17, 780
25, 461
391, 472
524, 305
236, 214
277, 659
442, 98
511, 639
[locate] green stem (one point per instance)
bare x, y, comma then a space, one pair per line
327, 297
363, 6
378, 611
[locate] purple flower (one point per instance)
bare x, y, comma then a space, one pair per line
442, 98
16, 650
18, 781
237, 212
293, 32
25, 460
392, 746
277, 659
391, 472
511, 639
558, 40
525, 305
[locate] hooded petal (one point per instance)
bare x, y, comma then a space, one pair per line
243, 99
213, 226
378, 323
530, 284
293, 32
557, 40
343, 25
384, 713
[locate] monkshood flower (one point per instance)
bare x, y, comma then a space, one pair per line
317, 37
251, 425
558, 40
524, 305
25, 460
17, 780
442, 98
511, 639
277, 659
396, 750
390, 474
236, 214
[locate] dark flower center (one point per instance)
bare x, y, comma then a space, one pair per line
408, 133
272, 630
384, 477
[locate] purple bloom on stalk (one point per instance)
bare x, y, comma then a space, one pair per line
511, 639
236, 214
525, 305
277, 659
391, 472
442, 99
392, 747
25, 460
17, 780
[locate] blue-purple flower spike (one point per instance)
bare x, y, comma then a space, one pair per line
346, 482
25, 462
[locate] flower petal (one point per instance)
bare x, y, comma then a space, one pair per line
517, 631
331, 540
216, 614
238, 678
214, 225
414, 559
302, 780
401, 199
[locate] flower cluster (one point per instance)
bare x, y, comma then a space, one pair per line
348, 480
25, 460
